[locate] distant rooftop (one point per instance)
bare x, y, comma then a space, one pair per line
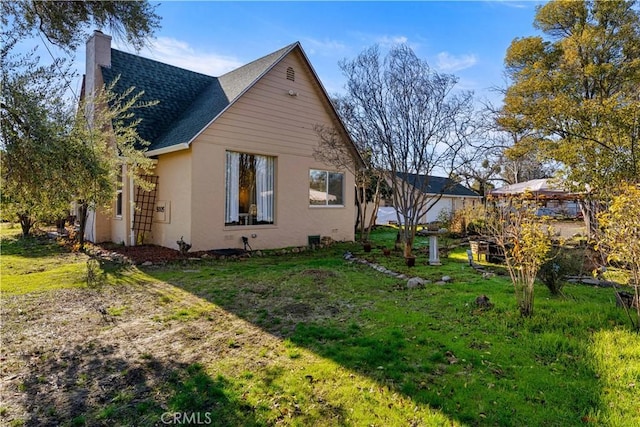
437, 185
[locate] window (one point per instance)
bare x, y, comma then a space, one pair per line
326, 188
249, 190
119, 185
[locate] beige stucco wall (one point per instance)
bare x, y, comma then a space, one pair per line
98, 227
174, 187
267, 121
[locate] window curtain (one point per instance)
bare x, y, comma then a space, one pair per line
264, 188
232, 188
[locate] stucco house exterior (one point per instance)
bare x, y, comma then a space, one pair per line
233, 155
446, 195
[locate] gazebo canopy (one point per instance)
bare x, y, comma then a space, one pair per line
539, 188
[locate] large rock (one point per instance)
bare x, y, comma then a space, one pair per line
416, 282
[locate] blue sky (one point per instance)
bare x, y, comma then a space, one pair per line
465, 38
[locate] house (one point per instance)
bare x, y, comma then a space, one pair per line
233, 155
446, 195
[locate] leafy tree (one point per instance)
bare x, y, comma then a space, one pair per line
525, 241
621, 237
35, 120
413, 121
578, 89
49, 153
53, 154
65, 23
105, 138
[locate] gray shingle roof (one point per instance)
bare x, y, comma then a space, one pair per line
188, 101
437, 185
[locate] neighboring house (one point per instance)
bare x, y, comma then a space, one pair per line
450, 197
234, 155
551, 196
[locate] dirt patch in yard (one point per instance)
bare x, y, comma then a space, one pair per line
318, 274
77, 355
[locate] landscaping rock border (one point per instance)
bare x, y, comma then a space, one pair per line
412, 282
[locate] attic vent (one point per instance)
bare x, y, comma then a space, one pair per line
291, 75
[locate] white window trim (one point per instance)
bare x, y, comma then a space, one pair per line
265, 182
327, 205
119, 192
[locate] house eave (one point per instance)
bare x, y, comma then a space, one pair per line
166, 150
460, 196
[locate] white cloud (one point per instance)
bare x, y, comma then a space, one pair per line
180, 54
512, 4
388, 41
324, 47
450, 63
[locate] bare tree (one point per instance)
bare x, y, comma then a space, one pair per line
414, 122
369, 179
479, 163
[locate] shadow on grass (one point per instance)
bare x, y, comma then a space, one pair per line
38, 246
481, 368
430, 345
139, 391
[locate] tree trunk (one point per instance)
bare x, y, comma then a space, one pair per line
526, 304
374, 213
408, 246
590, 216
359, 212
364, 236
83, 212
25, 223
60, 225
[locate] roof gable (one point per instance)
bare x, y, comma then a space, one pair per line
236, 82
187, 101
437, 185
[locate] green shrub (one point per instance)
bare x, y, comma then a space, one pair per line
564, 262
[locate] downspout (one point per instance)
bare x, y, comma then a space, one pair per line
132, 209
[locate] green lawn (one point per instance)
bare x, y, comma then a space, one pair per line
37, 264
310, 339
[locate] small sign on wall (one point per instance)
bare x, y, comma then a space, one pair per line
162, 211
